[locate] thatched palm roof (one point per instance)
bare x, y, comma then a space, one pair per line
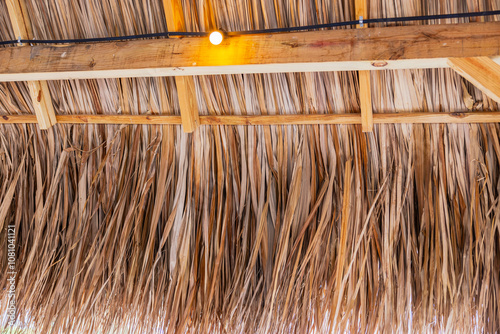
145, 228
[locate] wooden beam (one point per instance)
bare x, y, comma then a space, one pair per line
365, 88
188, 105
308, 119
365, 101
98, 119
424, 46
42, 103
39, 90
186, 90
18, 19
381, 118
174, 15
482, 72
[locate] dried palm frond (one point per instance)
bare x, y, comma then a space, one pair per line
249, 229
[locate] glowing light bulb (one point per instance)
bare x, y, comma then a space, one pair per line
216, 38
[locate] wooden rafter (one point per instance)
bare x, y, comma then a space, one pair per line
482, 72
365, 88
425, 46
18, 18
42, 104
307, 119
39, 90
186, 91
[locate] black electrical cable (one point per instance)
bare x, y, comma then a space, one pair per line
261, 31
105, 39
367, 21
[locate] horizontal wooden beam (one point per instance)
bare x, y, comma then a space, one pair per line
482, 72
354, 118
423, 46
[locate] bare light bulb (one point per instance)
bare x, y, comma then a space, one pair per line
216, 38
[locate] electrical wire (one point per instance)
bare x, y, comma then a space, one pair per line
254, 32
367, 21
104, 39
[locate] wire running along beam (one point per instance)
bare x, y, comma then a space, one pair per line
408, 47
257, 31
461, 117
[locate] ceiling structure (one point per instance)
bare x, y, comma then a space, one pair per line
340, 179
410, 47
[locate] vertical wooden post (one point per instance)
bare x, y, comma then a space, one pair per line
39, 90
186, 90
365, 89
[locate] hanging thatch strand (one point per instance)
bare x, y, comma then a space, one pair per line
143, 228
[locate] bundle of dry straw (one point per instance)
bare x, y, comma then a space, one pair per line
249, 229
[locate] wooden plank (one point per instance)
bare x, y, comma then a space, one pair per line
39, 90
365, 88
18, 119
361, 9
18, 15
186, 91
42, 104
482, 72
188, 105
309, 119
174, 15
97, 119
365, 100
388, 118
424, 46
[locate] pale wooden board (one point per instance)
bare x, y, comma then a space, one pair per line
39, 90
42, 104
365, 88
482, 72
186, 91
365, 99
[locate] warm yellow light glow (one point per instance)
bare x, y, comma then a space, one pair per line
216, 38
